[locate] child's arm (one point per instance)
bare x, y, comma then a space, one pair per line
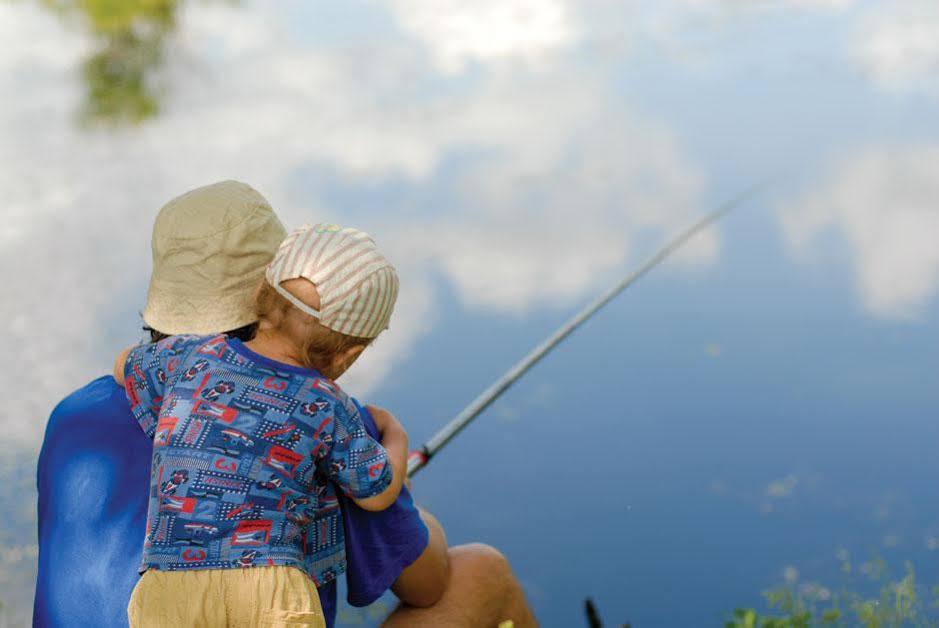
367, 471
395, 441
145, 371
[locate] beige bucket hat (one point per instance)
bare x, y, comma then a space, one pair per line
210, 249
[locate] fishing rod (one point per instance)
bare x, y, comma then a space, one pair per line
419, 458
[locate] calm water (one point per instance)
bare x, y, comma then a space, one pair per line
763, 407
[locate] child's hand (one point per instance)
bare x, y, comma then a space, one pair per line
119, 366
384, 420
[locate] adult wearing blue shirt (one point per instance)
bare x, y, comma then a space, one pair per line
210, 248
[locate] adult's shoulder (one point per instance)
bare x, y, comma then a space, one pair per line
97, 400
91, 445
97, 409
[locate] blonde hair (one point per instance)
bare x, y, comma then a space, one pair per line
321, 343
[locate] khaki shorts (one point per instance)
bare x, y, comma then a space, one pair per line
269, 597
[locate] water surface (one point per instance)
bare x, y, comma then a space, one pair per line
761, 407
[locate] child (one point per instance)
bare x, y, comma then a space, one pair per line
251, 441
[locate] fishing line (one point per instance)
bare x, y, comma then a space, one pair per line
419, 458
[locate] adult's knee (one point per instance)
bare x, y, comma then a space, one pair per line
484, 559
487, 553
496, 588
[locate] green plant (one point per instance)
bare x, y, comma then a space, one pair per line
898, 602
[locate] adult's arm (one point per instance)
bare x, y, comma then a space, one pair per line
380, 545
423, 583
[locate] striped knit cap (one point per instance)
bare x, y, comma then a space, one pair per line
356, 284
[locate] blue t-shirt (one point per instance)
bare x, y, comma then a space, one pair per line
248, 454
90, 538
92, 477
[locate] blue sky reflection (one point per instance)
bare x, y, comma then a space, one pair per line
765, 399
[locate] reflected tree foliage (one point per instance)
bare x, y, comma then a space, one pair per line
120, 75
